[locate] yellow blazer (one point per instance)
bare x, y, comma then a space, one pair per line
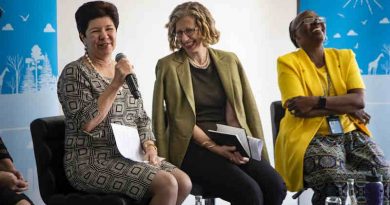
173, 91
297, 76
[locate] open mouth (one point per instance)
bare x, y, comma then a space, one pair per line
104, 45
317, 29
188, 44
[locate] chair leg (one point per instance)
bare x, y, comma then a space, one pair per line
210, 201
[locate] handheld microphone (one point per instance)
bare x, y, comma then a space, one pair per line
130, 79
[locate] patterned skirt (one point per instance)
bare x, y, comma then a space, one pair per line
330, 160
112, 174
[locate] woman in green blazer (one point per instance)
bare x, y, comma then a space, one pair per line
197, 87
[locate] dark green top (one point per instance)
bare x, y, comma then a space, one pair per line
210, 97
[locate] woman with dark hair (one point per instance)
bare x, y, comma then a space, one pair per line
323, 140
197, 87
12, 183
93, 94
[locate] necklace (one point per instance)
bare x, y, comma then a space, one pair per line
326, 82
93, 66
203, 65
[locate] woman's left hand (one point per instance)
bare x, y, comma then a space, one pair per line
151, 156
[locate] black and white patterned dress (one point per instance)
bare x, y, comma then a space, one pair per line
92, 160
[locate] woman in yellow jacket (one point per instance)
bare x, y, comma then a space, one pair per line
319, 145
199, 87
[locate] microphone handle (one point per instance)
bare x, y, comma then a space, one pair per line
133, 85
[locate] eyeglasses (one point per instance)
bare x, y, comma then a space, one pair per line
311, 20
188, 32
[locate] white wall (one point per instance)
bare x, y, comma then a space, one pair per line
256, 30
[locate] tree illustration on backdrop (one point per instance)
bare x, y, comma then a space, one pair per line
39, 75
37, 57
46, 79
28, 85
16, 64
386, 65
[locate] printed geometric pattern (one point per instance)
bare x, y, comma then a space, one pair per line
92, 161
331, 160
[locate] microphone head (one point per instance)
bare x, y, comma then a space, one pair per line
119, 56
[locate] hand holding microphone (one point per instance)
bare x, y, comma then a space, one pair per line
130, 79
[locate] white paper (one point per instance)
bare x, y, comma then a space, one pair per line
256, 145
128, 142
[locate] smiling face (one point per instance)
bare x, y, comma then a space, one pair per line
100, 37
309, 29
188, 35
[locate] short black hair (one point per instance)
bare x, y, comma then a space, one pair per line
292, 34
294, 23
95, 9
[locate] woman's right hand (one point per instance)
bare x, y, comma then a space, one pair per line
230, 153
123, 68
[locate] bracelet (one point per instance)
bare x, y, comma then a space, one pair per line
205, 142
208, 144
211, 146
322, 102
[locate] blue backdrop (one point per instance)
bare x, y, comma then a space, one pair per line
364, 27
28, 75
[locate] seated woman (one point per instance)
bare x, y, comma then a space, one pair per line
12, 183
323, 140
200, 86
93, 94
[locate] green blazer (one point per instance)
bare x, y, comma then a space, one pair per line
174, 105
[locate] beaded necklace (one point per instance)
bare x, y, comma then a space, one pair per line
203, 65
93, 66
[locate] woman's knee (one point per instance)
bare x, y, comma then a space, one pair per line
23, 202
247, 191
183, 181
279, 190
275, 189
164, 182
252, 195
279, 185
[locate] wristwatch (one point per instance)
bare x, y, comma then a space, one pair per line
322, 102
